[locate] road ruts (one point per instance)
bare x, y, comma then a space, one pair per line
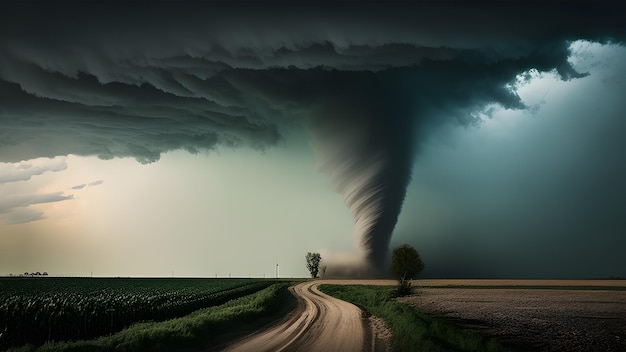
320, 323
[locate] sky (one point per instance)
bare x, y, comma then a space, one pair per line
219, 139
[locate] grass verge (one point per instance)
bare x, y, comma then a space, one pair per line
412, 330
200, 330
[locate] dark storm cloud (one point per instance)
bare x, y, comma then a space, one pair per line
24, 171
14, 208
371, 80
17, 201
96, 183
537, 196
23, 215
90, 184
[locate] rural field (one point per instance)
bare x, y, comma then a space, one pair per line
39, 310
543, 315
104, 314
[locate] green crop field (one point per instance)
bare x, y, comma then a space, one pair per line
38, 310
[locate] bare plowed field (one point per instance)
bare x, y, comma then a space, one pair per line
541, 315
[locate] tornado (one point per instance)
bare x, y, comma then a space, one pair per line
373, 185
364, 143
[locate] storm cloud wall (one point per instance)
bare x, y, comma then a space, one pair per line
123, 80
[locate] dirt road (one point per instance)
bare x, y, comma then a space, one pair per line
320, 323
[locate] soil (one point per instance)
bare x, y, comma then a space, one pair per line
591, 317
381, 334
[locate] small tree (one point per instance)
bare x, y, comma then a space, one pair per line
405, 265
313, 263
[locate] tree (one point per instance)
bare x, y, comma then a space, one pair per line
313, 263
405, 265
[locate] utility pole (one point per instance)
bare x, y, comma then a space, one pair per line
276, 270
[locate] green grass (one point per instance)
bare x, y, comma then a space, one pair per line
38, 310
412, 330
200, 330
